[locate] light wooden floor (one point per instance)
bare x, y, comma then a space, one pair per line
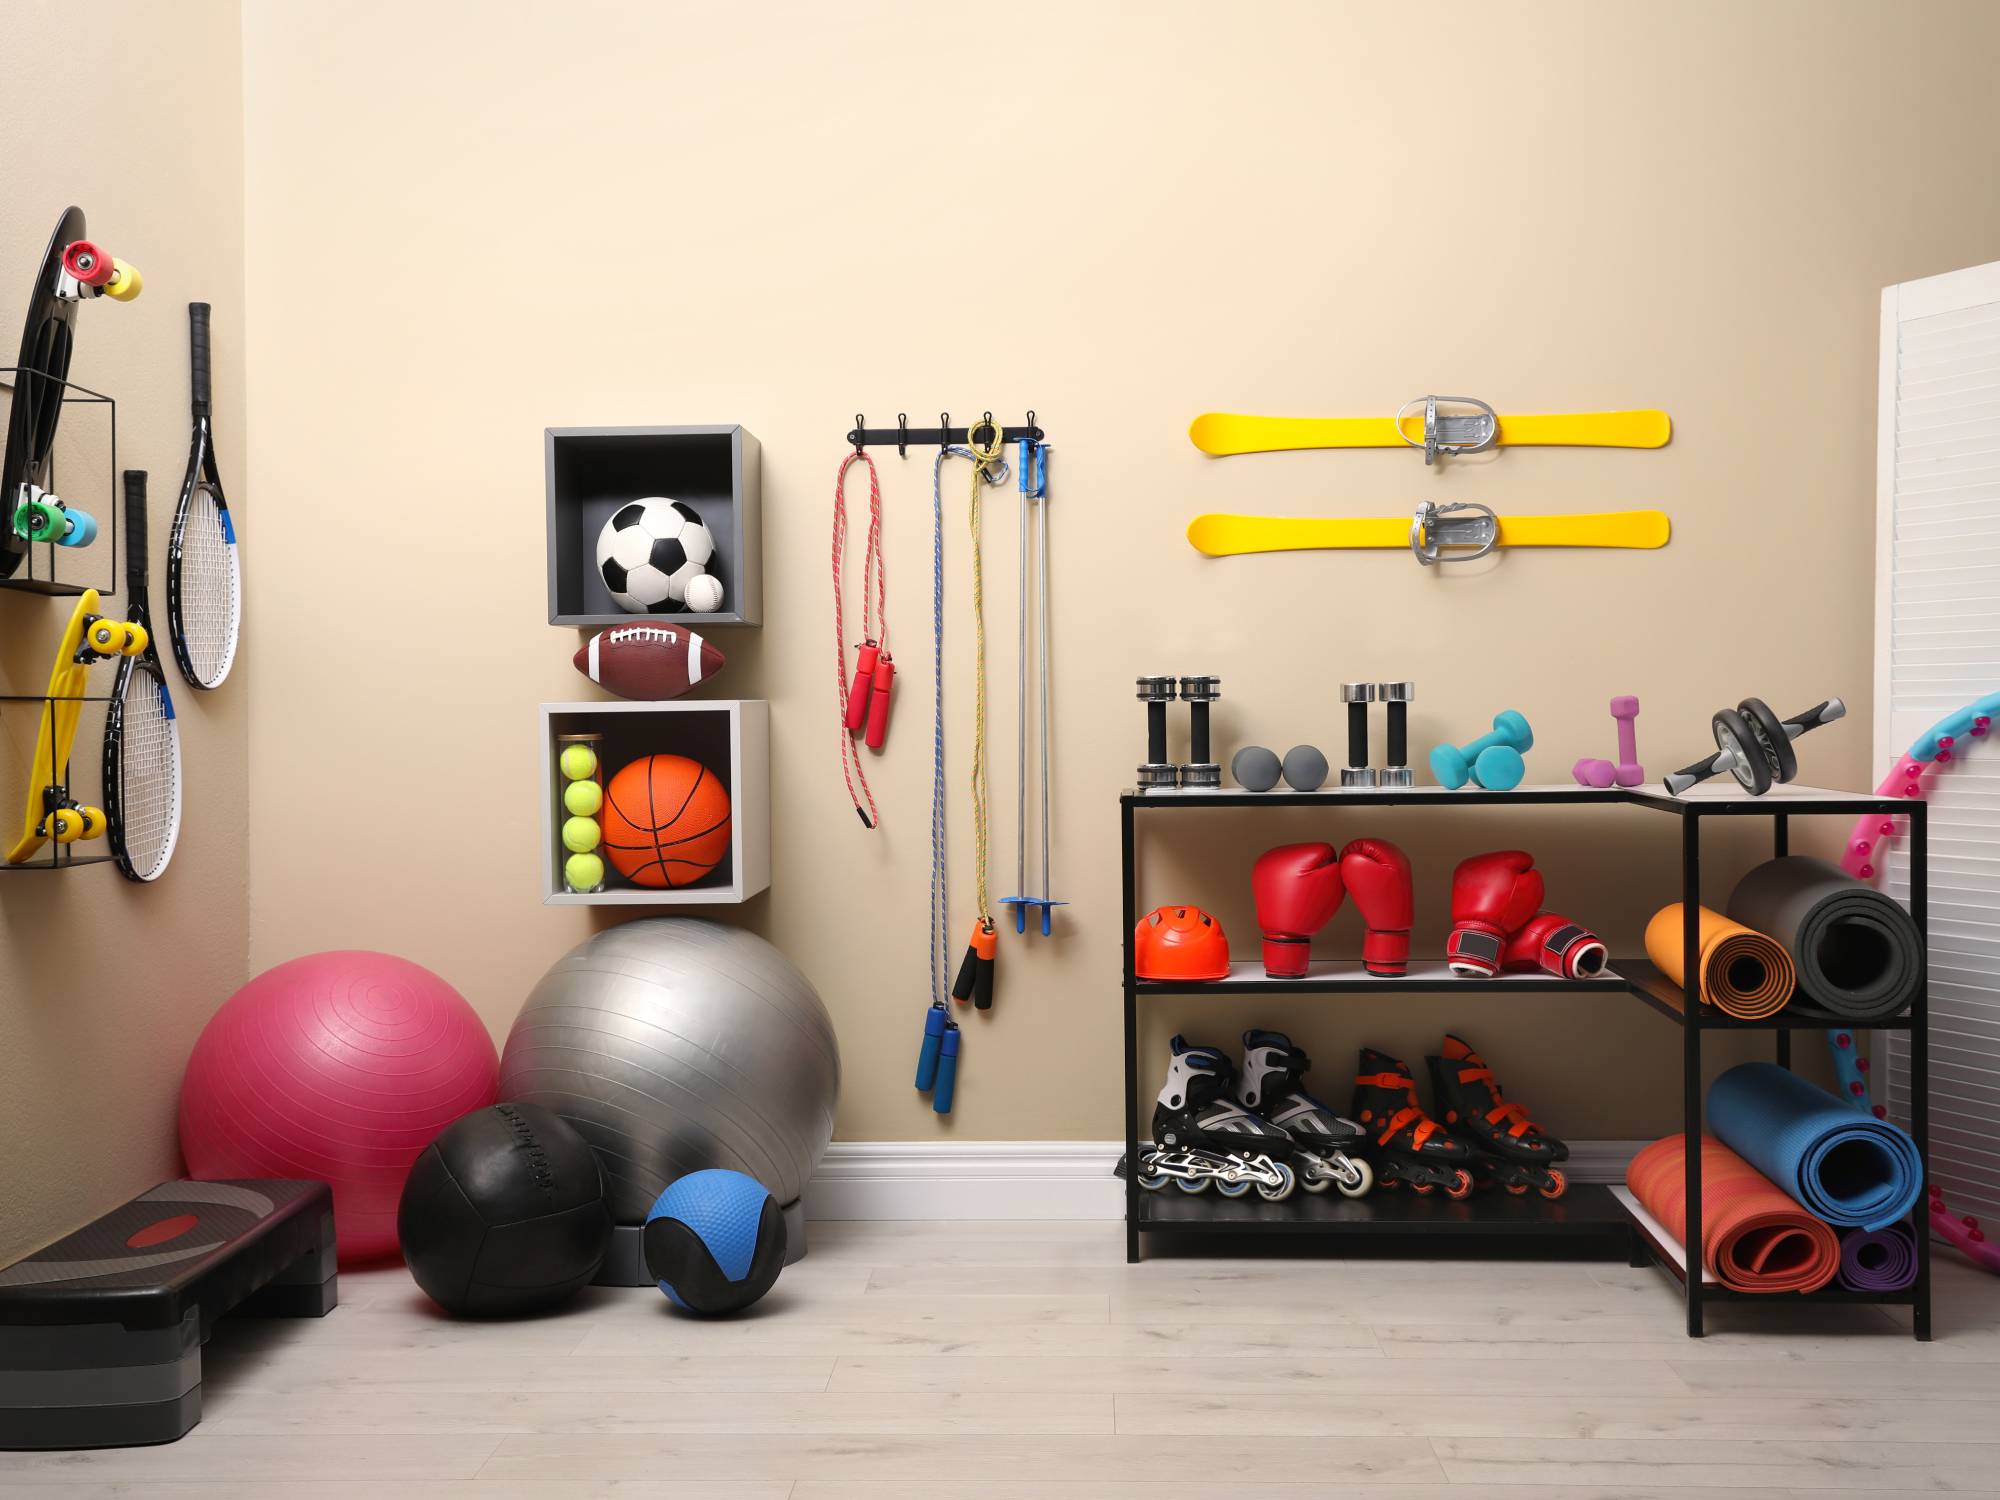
1028, 1362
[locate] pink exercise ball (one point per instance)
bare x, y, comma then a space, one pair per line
340, 1067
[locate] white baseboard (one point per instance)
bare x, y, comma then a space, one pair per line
953, 1180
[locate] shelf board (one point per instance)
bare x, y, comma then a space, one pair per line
1346, 975
1664, 996
1705, 800
1670, 1255
1586, 1210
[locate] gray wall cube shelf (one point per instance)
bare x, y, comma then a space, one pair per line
591, 471
730, 736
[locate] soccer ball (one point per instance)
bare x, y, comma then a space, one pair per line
652, 552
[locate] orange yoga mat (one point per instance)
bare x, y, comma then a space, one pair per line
1743, 973
1754, 1236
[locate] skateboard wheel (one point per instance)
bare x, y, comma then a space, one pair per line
79, 529
94, 822
107, 637
38, 520
125, 283
87, 263
1771, 738
65, 825
1749, 766
136, 637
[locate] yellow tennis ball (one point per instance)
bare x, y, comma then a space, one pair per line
580, 835
583, 872
579, 761
583, 798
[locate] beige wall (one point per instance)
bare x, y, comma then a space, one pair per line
521, 216
134, 112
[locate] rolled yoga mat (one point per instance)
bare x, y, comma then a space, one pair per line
1878, 1260
1846, 1167
1754, 1238
1743, 973
1857, 951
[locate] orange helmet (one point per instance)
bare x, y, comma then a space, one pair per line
1180, 942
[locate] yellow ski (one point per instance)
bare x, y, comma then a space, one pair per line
1220, 432
1231, 536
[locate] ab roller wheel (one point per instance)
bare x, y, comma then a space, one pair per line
1755, 746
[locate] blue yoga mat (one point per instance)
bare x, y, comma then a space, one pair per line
1847, 1168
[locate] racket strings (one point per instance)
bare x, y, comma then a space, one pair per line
208, 583
149, 782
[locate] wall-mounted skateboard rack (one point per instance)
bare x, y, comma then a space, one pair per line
38, 569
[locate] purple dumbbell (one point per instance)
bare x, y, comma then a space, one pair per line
1626, 771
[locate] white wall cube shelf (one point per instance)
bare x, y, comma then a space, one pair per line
730, 736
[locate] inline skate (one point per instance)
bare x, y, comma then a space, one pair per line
1202, 1135
1508, 1148
1269, 1084
1406, 1144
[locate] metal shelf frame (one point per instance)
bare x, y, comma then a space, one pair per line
1637, 977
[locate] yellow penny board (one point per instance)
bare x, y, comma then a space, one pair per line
61, 713
1222, 432
1229, 536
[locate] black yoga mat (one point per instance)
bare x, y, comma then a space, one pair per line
1857, 952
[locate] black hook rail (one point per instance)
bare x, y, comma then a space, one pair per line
902, 435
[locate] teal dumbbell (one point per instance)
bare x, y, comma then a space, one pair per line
1492, 761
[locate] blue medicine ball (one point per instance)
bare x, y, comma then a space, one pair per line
714, 1241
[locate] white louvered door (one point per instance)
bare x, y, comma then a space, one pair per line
1937, 648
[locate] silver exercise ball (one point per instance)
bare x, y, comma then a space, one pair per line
673, 1044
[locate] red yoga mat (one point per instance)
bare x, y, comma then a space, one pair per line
1754, 1236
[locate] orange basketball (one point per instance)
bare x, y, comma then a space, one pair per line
666, 821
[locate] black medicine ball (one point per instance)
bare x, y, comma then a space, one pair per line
504, 1213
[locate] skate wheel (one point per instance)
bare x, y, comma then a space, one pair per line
107, 637
38, 520
1287, 1181
1462, 1187
1153, 1182
94, 822
1558, 1184
1315, 1184
1360, 1188
125, 283
1191, 1184
1423, 1188
87, 263
1231, 1189
136, 639
1517, 1189
65, 825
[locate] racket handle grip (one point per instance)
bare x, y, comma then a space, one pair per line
198, 354
136, 559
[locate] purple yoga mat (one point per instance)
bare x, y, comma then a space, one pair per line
1878, 1260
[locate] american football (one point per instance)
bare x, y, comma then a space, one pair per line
648, 662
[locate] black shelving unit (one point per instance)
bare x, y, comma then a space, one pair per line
1587, 1211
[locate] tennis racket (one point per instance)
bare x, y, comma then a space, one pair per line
142, 740
204, 586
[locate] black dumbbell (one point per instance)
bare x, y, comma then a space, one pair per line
1158, 773
1200, 772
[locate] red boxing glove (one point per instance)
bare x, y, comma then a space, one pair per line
1298, 890
1556, 944
878, 701
1378, 875
1491, 896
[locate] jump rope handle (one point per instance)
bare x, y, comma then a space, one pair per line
864, 679
878, 700
947, 1073
975, 974
936, 1022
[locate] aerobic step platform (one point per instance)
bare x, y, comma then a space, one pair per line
101, 1332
